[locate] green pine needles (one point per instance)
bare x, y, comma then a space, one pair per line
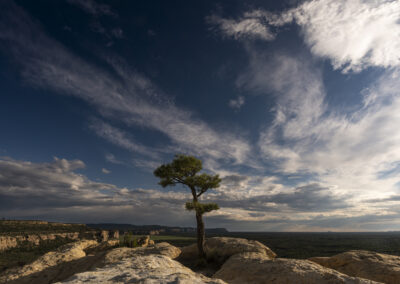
201, 207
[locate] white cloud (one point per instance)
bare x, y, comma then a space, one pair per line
346, 152
297, 87
149, 165
237, 103
247, 27
105, 171
55, 191
354, 34
112, 159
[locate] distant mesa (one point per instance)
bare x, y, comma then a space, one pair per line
152, 229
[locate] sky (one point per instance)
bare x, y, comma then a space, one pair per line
295, 104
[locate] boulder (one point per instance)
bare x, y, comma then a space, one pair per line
65, 253
143, 241
112, 243
142, 269
370, 265
254, 268
221, 248
104, 235
115, 234
163, 248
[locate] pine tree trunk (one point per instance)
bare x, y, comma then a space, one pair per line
200, 236
200, 228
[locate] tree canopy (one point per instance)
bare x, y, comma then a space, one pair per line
183, 170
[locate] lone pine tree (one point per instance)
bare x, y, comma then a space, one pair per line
185, 170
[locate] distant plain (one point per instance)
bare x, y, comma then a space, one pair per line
304, 245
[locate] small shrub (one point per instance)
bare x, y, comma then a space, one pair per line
128, 240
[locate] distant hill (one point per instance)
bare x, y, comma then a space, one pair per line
155, 229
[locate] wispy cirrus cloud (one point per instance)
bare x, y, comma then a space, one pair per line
247, 27
121, 138
237, 103
93, 7
128, 97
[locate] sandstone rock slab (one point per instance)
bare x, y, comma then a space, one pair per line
366, 264
65, 253
221, 248
149, 269
255, 268
163, 248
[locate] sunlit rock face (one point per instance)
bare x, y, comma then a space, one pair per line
221, 248
7, 242
163, 248
143, 269
256, 268
370, 265
79, 257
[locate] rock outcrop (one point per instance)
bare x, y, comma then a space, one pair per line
371, 265
143, 241
115, 234
52, 267
221, 248
142, 269
254, 268
7, 242
248, 262
65, 253
119, 254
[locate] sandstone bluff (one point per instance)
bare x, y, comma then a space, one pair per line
238, 260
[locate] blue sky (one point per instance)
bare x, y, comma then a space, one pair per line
294, 103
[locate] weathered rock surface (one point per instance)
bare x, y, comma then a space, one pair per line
118, 254
144, 241
65, 253
221, 248
256, 268
7, 242
98, 256
371, 265
142, 269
